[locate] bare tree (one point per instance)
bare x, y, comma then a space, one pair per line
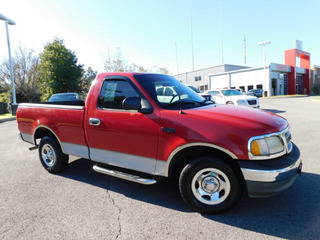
118, 63
26, 68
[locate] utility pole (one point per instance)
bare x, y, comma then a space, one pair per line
177, 59
245, 51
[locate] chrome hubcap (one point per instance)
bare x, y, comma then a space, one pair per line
48, 155
210, 186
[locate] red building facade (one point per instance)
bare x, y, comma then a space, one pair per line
298, 83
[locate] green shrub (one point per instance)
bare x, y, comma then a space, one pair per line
4, 97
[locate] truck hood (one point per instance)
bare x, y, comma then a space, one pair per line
226, 126
256, 120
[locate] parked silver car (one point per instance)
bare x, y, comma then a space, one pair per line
255, 92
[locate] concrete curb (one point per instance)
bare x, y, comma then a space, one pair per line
286, 96
314, 100
7, 119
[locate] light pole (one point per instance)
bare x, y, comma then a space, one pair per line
221, 31
264, 58
191, 35
10, 22
177, 60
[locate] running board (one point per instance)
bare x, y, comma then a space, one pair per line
125, 176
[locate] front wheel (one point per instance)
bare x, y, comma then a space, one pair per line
209, 185
51, 156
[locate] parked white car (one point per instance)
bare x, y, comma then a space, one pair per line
232, 96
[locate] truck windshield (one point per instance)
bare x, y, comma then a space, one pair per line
170, 93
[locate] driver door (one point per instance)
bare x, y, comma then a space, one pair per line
123, 138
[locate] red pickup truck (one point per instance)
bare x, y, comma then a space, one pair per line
148, 127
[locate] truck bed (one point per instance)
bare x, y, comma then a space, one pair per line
64, 121
72, 103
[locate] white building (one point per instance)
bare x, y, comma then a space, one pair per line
274, 79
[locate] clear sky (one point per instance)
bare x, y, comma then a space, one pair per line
148, 30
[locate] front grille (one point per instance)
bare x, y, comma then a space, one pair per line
252, 102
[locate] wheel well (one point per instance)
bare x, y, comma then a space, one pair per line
182, 158
43, 132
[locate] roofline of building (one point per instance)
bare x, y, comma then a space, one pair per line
246, 67
240, 70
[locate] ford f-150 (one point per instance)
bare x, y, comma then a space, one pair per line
129, 130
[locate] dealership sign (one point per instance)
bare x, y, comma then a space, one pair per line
280, 67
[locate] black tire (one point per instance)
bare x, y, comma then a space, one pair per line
230, 103
51, 156
208, 185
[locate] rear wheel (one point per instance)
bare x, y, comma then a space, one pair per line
230, 103
51, 156
209, 185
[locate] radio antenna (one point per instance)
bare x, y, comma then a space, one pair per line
179, 94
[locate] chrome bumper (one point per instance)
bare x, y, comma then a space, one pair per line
268, 177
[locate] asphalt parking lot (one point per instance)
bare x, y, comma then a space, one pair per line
82, 204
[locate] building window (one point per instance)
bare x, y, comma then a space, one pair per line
198, 78
299, 84
260, 86
250, 87
285, 84
242, 88
203, 88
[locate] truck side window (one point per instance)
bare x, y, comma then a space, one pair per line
113, 92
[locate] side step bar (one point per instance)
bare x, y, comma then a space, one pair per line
125, 176
33, 148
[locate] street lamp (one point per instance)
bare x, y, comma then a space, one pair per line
264, 56
191, 35
10, 22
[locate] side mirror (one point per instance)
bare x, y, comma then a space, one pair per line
134, 103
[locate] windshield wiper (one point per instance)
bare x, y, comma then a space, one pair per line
185, 103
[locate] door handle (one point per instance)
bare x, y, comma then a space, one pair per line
94, 121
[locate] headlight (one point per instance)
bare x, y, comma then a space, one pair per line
270, 146
242, 102
266, 146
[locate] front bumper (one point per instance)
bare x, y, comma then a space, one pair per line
268, 177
